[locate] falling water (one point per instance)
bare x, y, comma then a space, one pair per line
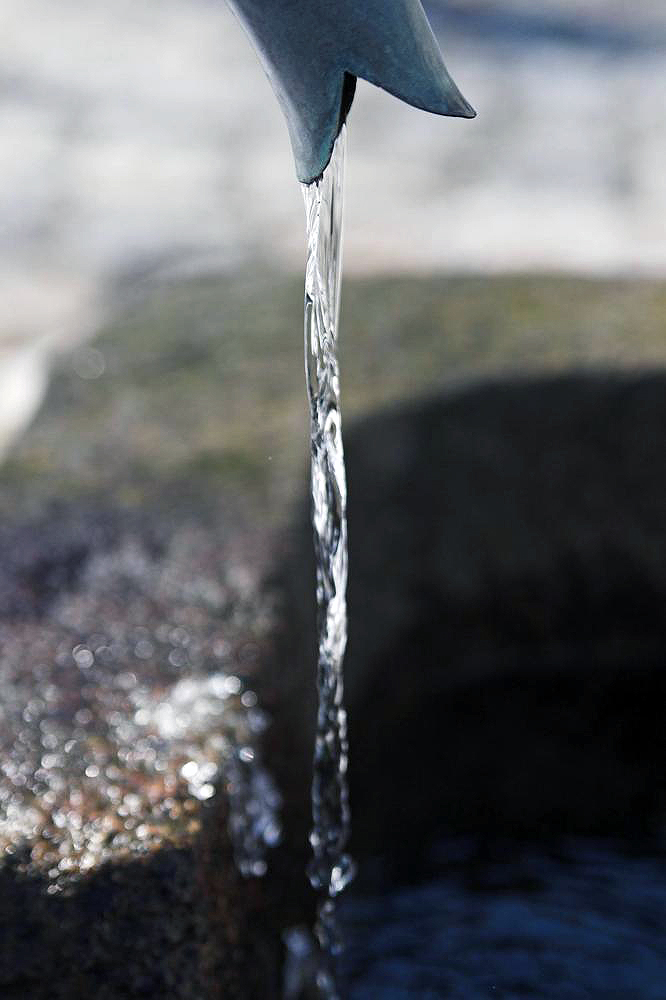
331, 869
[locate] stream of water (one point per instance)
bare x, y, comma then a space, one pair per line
331, 868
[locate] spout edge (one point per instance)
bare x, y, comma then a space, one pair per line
453, 105
310, 169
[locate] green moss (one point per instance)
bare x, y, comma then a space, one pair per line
203, 381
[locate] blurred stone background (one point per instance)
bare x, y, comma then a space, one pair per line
140, 140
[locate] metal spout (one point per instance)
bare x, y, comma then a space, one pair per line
314, 50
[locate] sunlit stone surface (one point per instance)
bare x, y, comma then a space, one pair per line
123, 714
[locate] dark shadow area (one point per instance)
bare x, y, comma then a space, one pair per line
505, 668
179, 923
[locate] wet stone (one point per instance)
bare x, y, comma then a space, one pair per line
134, 798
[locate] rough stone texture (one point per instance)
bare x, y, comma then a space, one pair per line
505, 659
131, 761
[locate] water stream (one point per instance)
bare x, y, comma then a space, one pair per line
331, 868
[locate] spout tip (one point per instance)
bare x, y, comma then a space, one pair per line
446, 100
467, 111
460, 108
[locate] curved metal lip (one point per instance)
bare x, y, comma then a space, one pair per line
463, 109
314, 50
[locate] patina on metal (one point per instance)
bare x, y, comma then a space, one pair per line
313, 51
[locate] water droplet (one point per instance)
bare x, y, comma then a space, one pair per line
83, 657
189, 770
204, 792
232, 684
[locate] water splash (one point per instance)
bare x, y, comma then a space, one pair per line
331, 868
